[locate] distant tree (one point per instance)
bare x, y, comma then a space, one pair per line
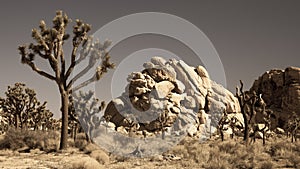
49, 46
163, 120
86, 111
222, 124
293, 125
21, 105
4, 122
41, 118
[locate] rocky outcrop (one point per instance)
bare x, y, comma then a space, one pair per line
170, 96
280, 90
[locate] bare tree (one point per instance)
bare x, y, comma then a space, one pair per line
247, 103
49, 46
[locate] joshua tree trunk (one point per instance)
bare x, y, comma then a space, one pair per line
246, 129
21, 121
264, 137
210, 129
64, 127
88, 136
222, 134
75, 131
293, 134
16, 121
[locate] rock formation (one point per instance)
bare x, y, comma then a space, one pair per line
280, 90
170, 96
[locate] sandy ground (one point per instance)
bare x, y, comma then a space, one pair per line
37, 159
41, 160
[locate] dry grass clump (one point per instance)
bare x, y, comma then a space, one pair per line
266, 165
234, 153
100, 156
80, 141
89, 148
44, 140
86, 163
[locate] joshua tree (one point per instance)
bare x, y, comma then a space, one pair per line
86, 109
264, 126
227, 121
21, 104
222, 124
163, 119
49, 46
4, 122
293, 125
247, 103
41, 117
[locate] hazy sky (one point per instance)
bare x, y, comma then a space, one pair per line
250, 37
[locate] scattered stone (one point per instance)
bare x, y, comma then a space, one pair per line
279, 130
171, 157
163, 88
191, 130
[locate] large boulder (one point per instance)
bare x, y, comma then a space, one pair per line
170, 94
280, 90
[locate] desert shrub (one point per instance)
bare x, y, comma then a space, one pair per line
100, 156
80, 141
198, 152
90, 147
296, 148
179, 150
266, 165
228, 147
188, 163
86, 163
43, 140
293, 159
217, 164
278, 149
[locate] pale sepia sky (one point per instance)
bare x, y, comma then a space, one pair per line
250, 37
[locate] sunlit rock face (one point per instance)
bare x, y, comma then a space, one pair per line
280, 90
172, 96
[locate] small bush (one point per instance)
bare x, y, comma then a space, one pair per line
100, 156
86, 163
266, 165
90, 147
71, 142
43, 140
228, 147
80, 141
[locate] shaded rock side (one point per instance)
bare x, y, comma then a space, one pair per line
280, 90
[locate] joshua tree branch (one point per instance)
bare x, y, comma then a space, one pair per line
73, 62
36, 69
85, 83
85, 70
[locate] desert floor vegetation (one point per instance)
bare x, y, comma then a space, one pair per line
37, 149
